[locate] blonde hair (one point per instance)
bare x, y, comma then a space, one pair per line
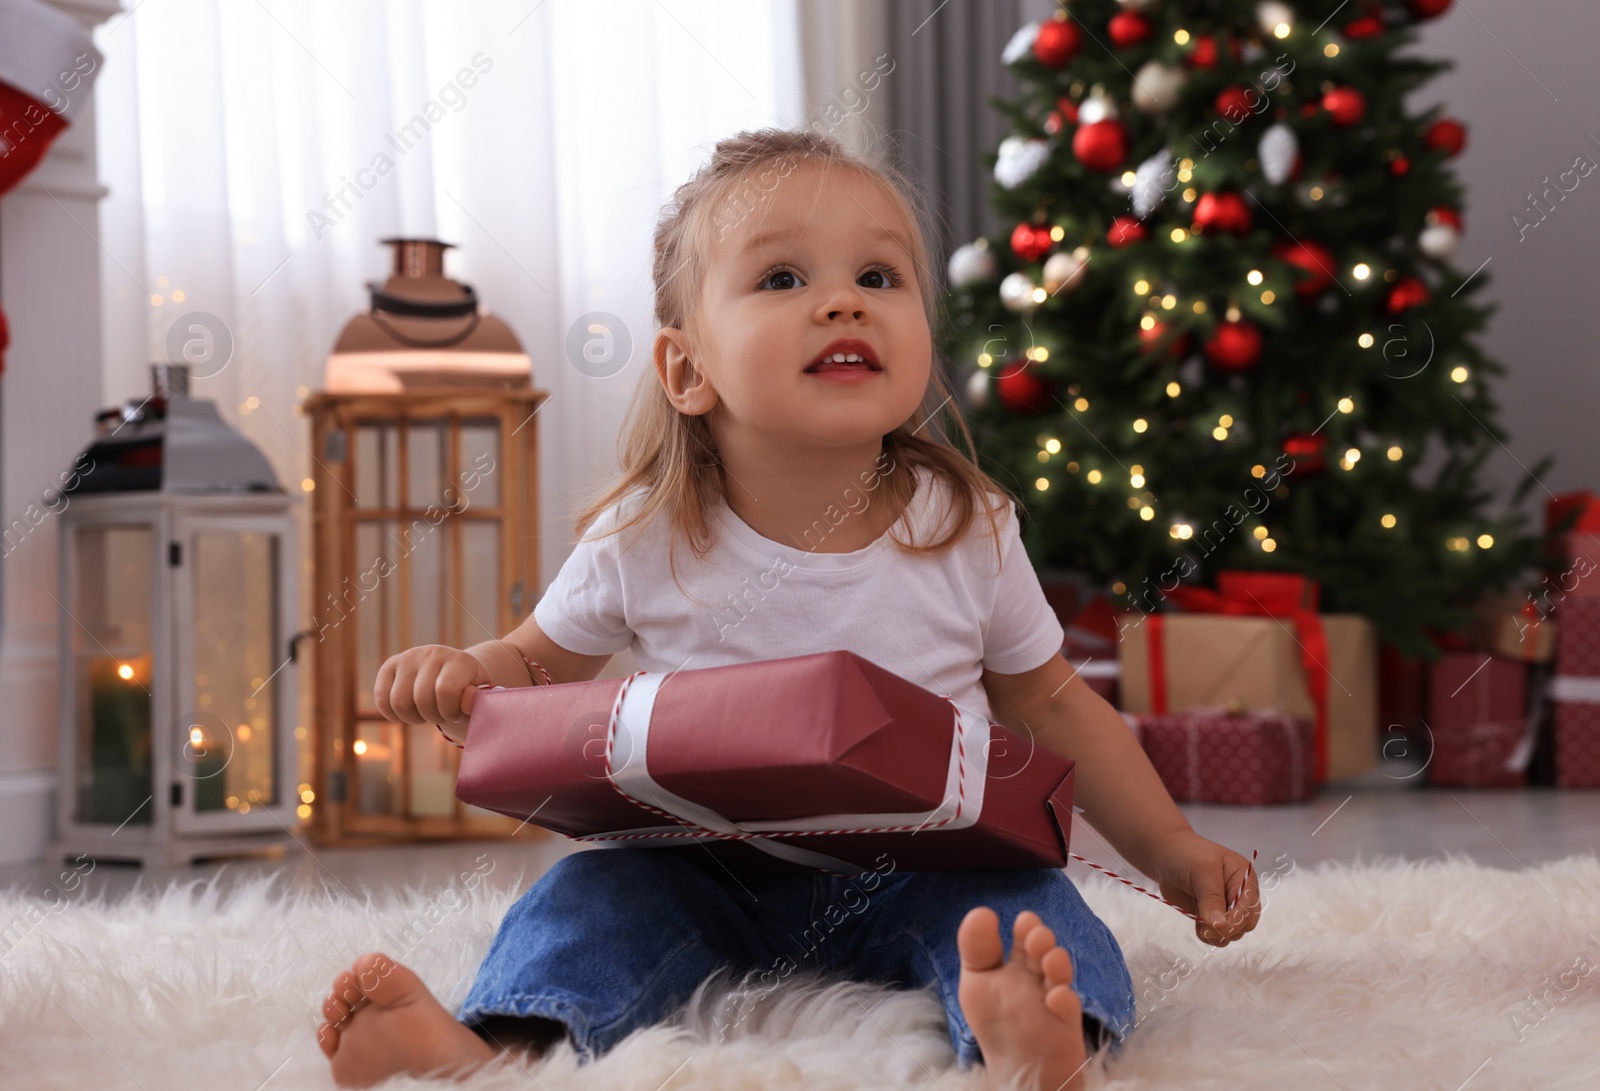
672, 455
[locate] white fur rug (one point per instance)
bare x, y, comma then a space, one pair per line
1388, 975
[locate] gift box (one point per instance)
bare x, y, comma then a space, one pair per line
1287, 658
1576, 692
1578, 545
1215, 756
1513, 626
1478, 719
815, 762
1090, 645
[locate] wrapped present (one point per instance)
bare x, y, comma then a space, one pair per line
1573, 519
1513, 626
1091, 647
1216, 756
1285, 658
1478, 719
815, 762
1576, 692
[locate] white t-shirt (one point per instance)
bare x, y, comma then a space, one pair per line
937, 621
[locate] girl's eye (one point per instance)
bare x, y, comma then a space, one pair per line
890, 278
767, 277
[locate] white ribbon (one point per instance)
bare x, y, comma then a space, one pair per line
1576, 688
628, 743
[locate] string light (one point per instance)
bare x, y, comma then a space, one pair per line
1042, 484
1366, 340
1148, 322
1388, 520
1260, 533
1189, 194
1147, 514
1094, 477
1281, 30
1254, 276
1458, 544
1169, 301
1081, 404
1226, 420
1128, 177
1141, 287
1040, 295
1347, 405
1362, 271
125, 672
1268, 545
1268, 296
1134, 502
1181, 36
1219, 432
1258, 471
1179, 234
1459, 374
1173, 389
1181, 531
1140, 425
1331, 49
1199, 306
984, 359
1057, 233
1136, 480
1394, 453
1485, 541
1053, 446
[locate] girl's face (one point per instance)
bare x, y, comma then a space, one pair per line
823, 257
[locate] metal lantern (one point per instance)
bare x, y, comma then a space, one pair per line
177, 596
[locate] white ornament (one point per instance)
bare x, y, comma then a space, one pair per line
978, 389
1096, 106
1063, 269
1156, 87
1018, 158
1271, 14
972, 263
1277, 150
1151, 182
1021, 43
1438, 241
1016, 293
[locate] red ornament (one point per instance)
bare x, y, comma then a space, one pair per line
1222, 212
1065, 113
1407, 292
1129, 28
1206, 52
1235, 346
1428, 9
1346, 104
1101, 145
1309, 452
1313, 259
1400, 166
1234, 103
1125, 230
1022, 389
1308, 109
1442, 214
1446, 135
1177, 347
1031, 241
1368, 26
1057, 43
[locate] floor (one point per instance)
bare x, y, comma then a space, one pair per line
1386, 812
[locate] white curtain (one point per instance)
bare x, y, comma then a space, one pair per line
242, 144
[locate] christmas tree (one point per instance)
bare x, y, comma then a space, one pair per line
1226, 332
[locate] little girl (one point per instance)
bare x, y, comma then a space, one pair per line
790, 435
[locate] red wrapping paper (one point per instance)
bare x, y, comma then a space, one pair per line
1249, 758
1579, 545
1576, 692
784, 741
1478, 721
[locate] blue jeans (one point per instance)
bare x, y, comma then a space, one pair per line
611, 940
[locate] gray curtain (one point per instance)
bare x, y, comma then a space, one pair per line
947, 65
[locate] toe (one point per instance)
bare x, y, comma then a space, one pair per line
1063, 1002
1057, 966
387, 983
1037, 944
327, 1039
335, 1010
978, 940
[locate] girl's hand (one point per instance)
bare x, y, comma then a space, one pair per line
1203, 877
431, 684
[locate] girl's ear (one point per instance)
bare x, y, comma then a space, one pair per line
688, 387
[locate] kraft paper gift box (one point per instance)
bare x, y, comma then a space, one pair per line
1513, 626
1217, 756
763, 764
1258, 663
1478, 721
1576, 692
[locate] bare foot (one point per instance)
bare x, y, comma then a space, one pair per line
381, 1020
1023, 1010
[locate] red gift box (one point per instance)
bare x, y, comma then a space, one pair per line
1579, 544
1477, 707
1576, 692
1224, 757
814, 762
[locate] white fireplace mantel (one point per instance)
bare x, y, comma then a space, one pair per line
50, 286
